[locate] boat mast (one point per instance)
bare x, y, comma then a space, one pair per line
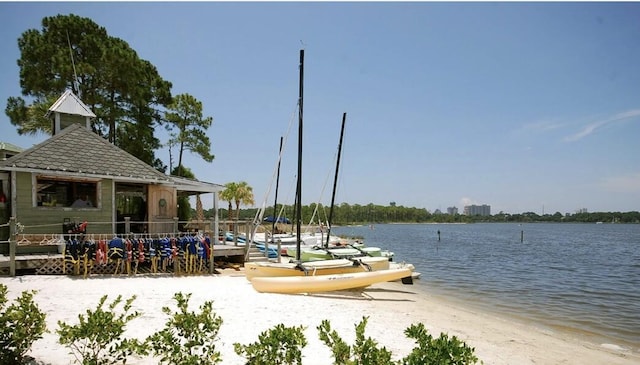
299, 187
335, 180
275, 202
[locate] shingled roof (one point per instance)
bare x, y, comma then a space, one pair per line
80, 152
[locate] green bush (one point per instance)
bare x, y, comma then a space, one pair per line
278, 345
340, 350
364, 352
441, 350
21, 324
97, 338
187, 338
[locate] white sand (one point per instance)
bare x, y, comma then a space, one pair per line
392, 307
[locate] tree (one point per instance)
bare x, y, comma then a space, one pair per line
184, 206
185, 115
124, 91
244, 195
240, 193
29, 119
228, 195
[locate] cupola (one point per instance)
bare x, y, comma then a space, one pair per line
68, 110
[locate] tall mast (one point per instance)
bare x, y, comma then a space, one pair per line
335, 179
275, 202
299, 187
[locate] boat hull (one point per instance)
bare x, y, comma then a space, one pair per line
313, 268
326, 283
337, 252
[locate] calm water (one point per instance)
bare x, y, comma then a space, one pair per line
580, 278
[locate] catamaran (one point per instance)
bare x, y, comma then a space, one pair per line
321, 275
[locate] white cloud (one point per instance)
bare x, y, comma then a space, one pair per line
542, 126
466, 201
620, 117
623, 184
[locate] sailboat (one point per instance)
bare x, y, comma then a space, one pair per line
314, 268
324, 283
334, 274
326, 250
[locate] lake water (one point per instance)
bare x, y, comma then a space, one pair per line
578, 278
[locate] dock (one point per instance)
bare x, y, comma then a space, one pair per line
54, 263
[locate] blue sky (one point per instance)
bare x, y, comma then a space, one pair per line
521, 106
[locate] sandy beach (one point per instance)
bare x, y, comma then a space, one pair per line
391, 307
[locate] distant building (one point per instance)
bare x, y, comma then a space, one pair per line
437, 212
452, 210
582, 210
483, 210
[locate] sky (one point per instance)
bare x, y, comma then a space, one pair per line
526, 107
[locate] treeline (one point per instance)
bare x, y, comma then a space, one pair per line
604, 217
345, 213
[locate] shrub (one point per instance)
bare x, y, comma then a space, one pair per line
188, 338
278, 345
21, 324
97, 338
437, 351
340, 350
364, 352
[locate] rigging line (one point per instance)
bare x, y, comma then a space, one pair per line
324, 186
340, 183
260, 212
275, 169
315, 211
335, 158
75, 75
287, 196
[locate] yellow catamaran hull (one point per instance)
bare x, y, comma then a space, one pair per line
313, 268
325, 283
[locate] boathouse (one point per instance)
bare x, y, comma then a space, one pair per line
77, 176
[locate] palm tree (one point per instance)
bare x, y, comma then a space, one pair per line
229, 195
244, 195
240, 193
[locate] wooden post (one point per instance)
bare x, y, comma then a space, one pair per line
12, 246
248, 232
438, 235
279, 249
235, 233
175, 226
522, 236
127, 225
212, 266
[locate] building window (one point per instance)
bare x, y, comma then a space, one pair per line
54, 192
131, 201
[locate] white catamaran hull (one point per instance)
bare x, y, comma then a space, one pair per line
325, 283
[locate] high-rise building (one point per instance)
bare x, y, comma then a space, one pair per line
452, 210
483, 210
